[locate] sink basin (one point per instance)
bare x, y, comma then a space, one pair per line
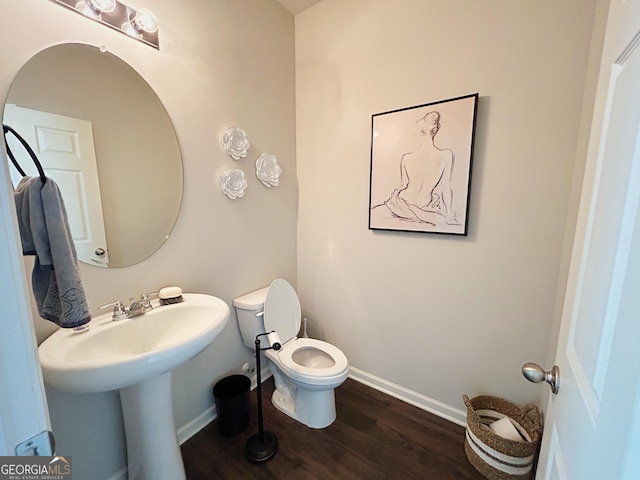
112, 355
136, 357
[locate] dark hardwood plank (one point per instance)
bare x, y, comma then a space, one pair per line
374, 437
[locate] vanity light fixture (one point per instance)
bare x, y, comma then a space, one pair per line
140, 24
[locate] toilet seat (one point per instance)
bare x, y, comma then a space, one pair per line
319, 375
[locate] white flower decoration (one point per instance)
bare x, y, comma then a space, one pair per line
267, 170
232, 183
235, 143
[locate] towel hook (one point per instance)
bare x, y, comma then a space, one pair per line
6, 129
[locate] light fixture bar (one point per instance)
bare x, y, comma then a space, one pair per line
140, 24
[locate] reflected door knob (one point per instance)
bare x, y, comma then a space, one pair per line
100, 251
536, 374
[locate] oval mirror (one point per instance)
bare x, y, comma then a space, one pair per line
104, 136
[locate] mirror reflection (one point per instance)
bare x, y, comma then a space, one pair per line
103, 135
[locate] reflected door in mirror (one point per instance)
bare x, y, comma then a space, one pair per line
64, 146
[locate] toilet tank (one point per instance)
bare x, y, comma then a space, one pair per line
248, 307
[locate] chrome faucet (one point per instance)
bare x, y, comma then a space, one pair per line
135, 309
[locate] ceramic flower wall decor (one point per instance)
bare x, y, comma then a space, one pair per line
235, 143
232, 183
267, 170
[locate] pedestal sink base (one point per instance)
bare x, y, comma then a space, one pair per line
153, 451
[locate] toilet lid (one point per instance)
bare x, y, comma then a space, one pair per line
282, 310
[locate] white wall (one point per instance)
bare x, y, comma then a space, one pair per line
440, 315
222, 63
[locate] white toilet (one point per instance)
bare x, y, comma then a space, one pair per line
306, 371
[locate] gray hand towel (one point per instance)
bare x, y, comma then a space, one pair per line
44, 230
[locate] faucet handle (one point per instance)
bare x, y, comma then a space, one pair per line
146, 302
118, 309
116, 305
146, 296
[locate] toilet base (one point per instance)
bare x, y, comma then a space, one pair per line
313, 408
284, 403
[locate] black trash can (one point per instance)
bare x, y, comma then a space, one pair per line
231, 395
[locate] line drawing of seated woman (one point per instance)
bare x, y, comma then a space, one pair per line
425, 194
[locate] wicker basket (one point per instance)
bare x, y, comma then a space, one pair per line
495, 457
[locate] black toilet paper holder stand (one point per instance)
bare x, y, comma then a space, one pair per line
263, 445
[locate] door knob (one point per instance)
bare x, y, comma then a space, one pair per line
536, 374
100, 251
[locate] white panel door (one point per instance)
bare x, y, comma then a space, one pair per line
65, 147
592, 425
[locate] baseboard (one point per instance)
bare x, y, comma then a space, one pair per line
189, 429
416, 399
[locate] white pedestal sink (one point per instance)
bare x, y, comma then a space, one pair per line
136, 356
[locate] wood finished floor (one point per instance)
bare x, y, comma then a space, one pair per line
374, 437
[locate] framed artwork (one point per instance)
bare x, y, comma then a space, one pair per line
421, 167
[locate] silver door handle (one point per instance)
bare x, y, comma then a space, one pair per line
100, 251
536, 374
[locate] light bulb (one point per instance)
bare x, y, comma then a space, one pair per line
95, 8
86, 10
102, 6
145, 21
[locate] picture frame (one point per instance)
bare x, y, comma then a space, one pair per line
421, 158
